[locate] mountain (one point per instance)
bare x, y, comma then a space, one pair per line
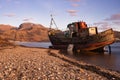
5, 27
25, 32
29, 32
117, 35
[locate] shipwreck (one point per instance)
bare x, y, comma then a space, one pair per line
79, 36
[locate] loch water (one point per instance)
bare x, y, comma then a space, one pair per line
105, 59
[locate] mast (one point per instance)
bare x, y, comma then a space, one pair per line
52, 22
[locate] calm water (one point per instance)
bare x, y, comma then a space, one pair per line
35, 44
110, 61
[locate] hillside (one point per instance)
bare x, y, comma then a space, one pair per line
25, 32
4, 28
117, 34
29, 32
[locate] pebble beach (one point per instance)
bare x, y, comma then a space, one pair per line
24, 63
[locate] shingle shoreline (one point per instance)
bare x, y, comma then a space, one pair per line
22, 63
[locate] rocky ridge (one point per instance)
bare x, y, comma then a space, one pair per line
30, 32
25, 32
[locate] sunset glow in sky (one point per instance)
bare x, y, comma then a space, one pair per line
102, 13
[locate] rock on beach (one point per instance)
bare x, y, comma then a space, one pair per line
23, 63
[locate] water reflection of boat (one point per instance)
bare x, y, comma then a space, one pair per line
81, 37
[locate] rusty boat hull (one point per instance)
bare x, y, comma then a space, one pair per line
95, 42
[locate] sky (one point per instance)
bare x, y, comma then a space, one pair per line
104, 14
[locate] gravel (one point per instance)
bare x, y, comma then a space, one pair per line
22, 63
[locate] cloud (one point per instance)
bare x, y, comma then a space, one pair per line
27, 19
112, 22
114, 17
9, 14
116, 23
72, 12
74, 0
75, 5
103, 25
100, 23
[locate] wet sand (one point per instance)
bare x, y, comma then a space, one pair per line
23, 63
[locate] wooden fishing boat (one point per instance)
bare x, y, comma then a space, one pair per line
81, 37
